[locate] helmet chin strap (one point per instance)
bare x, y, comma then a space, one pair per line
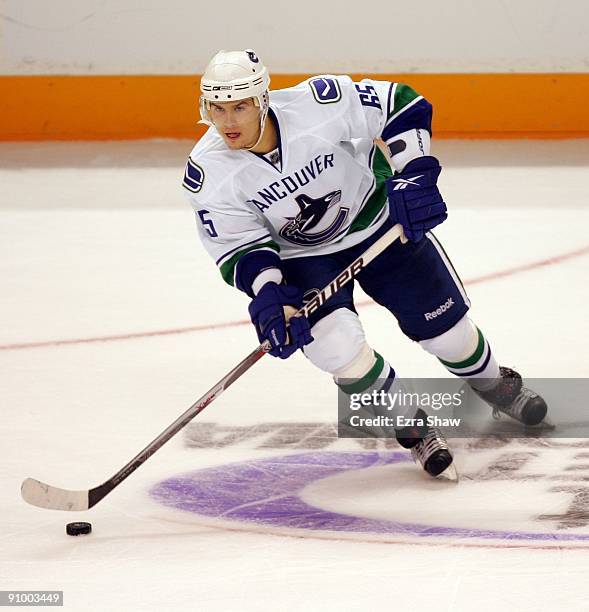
263, 117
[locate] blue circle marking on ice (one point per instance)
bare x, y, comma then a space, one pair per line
267, 492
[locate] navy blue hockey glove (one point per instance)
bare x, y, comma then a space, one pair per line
267, 314
414, 198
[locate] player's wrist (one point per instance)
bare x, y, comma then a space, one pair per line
256, 269
407, 146
269, 275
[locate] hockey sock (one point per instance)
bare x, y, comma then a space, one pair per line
480, 368
370, 389
379, 377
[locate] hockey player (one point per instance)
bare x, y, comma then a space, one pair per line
289, 187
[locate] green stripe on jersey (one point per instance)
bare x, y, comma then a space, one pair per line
372, 207
366, 381
228, 268
469, 361
403, 96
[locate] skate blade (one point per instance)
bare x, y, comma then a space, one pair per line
542, 425
450, 474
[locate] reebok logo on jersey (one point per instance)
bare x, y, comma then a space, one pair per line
438, 311
402, 183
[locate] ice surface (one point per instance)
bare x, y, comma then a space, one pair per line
97, 242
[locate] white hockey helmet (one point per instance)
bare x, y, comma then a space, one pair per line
232, 76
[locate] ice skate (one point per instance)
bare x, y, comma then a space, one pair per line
429, 448
510, 397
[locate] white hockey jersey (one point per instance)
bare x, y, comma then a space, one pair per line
326, 193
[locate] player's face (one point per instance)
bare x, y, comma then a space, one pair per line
238, 122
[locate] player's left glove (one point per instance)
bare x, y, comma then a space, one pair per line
269, 313
414, 198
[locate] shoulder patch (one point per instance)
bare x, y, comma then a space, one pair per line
326, 90
194, 177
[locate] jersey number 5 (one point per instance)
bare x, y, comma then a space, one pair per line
207, 223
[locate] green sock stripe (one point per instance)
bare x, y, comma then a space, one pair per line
469, 361
366, 381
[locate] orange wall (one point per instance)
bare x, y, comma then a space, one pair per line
130, 107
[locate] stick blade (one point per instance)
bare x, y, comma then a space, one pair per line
42, 495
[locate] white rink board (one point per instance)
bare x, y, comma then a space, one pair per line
179, 37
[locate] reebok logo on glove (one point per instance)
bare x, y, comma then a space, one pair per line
402, 183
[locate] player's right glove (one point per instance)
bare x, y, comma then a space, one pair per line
414, 198
267, 312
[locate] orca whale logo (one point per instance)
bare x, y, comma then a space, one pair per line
312, 211
253, 57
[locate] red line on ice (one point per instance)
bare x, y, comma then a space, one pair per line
556, 259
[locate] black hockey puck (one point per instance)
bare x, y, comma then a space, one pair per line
75, 529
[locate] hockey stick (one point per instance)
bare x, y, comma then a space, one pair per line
43, 495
